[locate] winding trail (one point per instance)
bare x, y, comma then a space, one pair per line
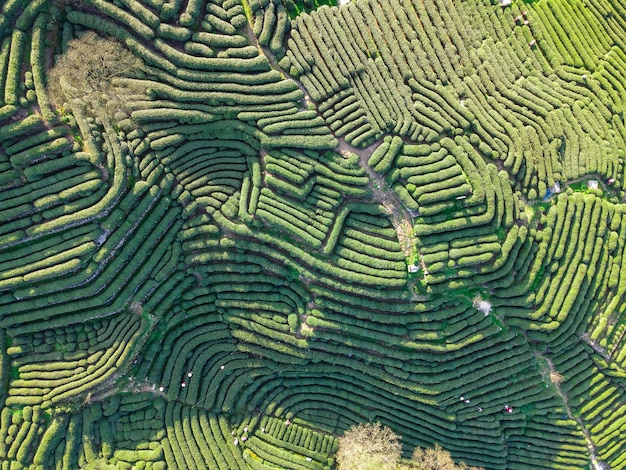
597, 464
381, 192
271, 58
398, 214
403, 222
384, 195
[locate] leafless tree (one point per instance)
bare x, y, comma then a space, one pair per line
369, 446
87, 71
436, 458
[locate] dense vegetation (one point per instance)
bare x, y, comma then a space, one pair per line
285, 218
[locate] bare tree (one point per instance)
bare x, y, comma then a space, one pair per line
88, 68
436, 458
374, 446
369, 446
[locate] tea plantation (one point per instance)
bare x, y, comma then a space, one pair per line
297, 216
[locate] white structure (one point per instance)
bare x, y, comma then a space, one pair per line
592, 184
556, 188
483, 306
505, 3
413, 268
345, 2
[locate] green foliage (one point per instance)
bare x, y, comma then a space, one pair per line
225, 268
298, 7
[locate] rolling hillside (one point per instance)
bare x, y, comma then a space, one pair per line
293, 217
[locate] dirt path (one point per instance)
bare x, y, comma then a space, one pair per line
384, 195
398, 214
247, 29
596, 347
381, 192
555, 378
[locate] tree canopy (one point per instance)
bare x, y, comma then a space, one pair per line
375, 446
88, 67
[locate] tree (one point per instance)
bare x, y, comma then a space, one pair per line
87, 69
374, 446
436, 458
369, 446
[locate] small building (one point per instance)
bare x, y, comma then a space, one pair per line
483, 306
504, 3
412, 268
556, 188
592, 184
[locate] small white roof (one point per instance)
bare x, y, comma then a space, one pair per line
505, 3
592, 184
483, 306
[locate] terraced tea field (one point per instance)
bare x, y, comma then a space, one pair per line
295, 217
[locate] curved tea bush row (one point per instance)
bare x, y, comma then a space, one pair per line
343, 31
230, 95
592, 401
270, 350
59, 183
270, 24
100, 283
522, 111
272, 432
459, 199
199, 439
278, 212
303, 189
366, 243
135, 225
577, 248
20, 432
86, 370
124, 430
577, 253
208, 249
505, 120
384, 156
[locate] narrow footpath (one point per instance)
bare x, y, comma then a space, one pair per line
597, 464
